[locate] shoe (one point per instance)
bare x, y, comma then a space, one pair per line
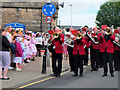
85, 64
81, 75
28, 61
18, 69
6, 78
10, 68
94, 70
116, 69
32, 60
58, 75
75, 75
104, 75
112, 75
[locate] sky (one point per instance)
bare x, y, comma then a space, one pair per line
83, 12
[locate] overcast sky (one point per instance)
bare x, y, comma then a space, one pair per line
83, 12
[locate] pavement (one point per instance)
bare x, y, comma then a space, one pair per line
31, 71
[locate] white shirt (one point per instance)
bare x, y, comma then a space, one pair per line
39, 40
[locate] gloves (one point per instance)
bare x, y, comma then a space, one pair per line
101, 36
109, 35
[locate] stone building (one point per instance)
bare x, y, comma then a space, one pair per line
27, 13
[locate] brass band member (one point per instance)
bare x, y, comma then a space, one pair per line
117, 51
107, 50
78, 52
57, 51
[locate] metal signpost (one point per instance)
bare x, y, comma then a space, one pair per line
48, 10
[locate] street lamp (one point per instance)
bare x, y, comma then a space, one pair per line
71, 14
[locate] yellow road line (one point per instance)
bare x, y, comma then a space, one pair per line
43, 80
34, 83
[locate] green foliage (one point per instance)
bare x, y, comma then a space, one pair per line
109, 14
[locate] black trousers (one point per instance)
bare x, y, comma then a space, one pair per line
56, 57
107, 57
38, 46
78, 63
117, 60
86, 56
71, 61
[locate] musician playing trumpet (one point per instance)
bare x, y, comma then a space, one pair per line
57, 40
78, 53
107, 50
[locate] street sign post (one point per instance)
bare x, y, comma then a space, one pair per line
49, 9
48, 19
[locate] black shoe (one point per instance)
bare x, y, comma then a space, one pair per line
6, 79
32, 60
58, 75
94, 70
71, 70
81, 75
104, 75
86, 64
26, 61
112, 75
116, 69
75, 75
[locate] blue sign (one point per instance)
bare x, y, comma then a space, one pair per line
49, 9
16, 26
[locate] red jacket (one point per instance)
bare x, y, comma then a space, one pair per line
108, 44
58, 44
116, 47
80, 47
97, 46
87, 41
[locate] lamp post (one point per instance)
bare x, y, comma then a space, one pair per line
71, 15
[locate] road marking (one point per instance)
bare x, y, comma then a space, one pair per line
45, 79
34, 83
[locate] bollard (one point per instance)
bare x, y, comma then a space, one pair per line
44, 65
44, 62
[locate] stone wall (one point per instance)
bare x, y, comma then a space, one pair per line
29, 17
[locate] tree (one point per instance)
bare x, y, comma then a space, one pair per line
109, 14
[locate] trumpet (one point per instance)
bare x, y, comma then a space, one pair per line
56, 35
79, 36
108, 31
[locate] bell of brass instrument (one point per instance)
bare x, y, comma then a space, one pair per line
56, 35
79, 36
108, 31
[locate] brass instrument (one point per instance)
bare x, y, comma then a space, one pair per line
49, 42
68, 40
117, 37
56, 35
108, 31
79, 36
93, 39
